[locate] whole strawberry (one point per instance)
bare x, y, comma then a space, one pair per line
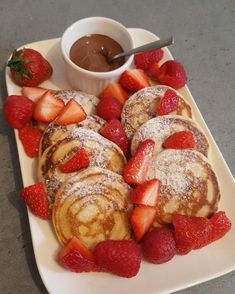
159, 245
18, 110
118, 257
29, 68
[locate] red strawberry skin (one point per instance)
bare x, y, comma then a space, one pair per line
77, 258
35, 198
122, 258
78, 161
172, 73
143, 60
114, 131
180, 140
29, 68
159, 245
30, 138
146, 193
221, 224
109, 108
134, 80
18, 110
135, 171
168, 103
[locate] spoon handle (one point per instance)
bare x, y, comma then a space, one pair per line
150, 46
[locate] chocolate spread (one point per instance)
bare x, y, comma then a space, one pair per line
91, 52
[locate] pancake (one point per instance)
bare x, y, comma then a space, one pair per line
102, 153
160, 128
141, 107
188, 184
93, 205
55, 132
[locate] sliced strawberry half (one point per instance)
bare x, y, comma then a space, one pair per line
153, 70
35, 198
180, 140
168, 103
143, 60
71, 113
115, 90
33, 93
114, 131
78, 161
146, 193
142, 218
48, 107
76, 257
135, 171
134, 80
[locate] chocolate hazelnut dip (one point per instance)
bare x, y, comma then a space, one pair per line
91, 52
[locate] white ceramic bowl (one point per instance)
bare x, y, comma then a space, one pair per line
90, 81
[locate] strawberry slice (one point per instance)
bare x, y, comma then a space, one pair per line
134, 79
143, 60
153, 70
135, 171
71, 113
78, 161
48, 107
35, 198
146, 193
168, 103
142, 218
33, 93
115, 90
180, 140
30, 138
77, 258
109, 108
114, 131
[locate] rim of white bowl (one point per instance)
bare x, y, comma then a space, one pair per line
126, 64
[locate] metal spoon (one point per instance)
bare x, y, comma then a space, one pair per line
147, 47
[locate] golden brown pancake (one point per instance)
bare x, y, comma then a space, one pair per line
93, 205
188, 184
141, 107
161, 127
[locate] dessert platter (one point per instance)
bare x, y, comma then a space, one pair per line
104, 177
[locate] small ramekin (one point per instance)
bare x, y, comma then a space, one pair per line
89, 81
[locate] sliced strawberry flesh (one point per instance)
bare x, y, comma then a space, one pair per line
33, 93
134, 80
115, 90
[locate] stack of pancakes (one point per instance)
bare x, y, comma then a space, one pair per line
93, 203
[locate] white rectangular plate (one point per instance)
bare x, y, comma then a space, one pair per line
182, 271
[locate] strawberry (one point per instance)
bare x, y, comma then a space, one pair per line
35, 198
143, 60
153, 70
48, 107
168, 103
134, 79
78, 161
71, 113
30, 138
109, 108
220, 225
191, 232
113, 131
172, 74
142, 218
135, 171
122, 258
33, 93
77, 258
159, 245
146, 193
18, 110
180, 140
115, 90
29, 68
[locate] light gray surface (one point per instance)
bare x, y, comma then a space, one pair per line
204, 33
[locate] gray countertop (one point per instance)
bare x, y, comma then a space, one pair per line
204, 33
